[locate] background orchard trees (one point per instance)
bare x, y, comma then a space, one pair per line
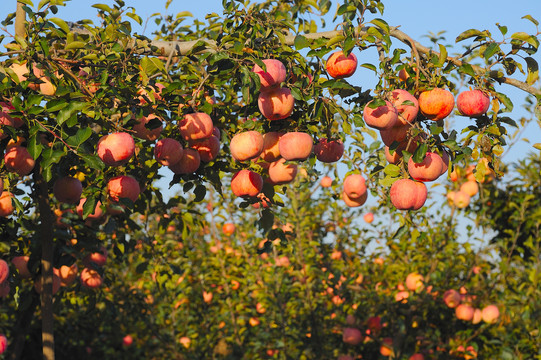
92, 115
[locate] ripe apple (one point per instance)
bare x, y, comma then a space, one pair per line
329, 151
339, 66
123, 187
472, 103
427, 170
5, 115
354, 202
417, 356
207, 296
354, 186
451, 298
295, 146
188, 164
274, 75
18, 160
271, 151
246, 145
401, 99
470, 187
116, 149
368, 217
407, 194
415, 281
228, 228
91, 278
402, 296
68, 190
477, 316
196, 126
393, 158
352, 336
185, 341
490, 314
4, 270
67, 274
127, 341
276, 104
386, 348
461, 199
3, 343
464, 312
280, 173
96, 258
436, 104
208, 148
21, 264
326, 181
6, 204
168, 151
382, 117
246, 183
95, 215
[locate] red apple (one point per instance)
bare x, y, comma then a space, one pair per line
228, 228
97, 258
490, 314
196, 126
168, 151
417, 356
5, 110
354, 202
470, 187
116, 149
354, 186
339, 66
271, 151
427, 170
280, 173
393, 158
461, 199
18, 160
382, 117
472, 103
3, 343
246, 145
274, 75
4, 270
352, 336
21, 264
208, 148
123, 187
326, 181
276, 104
386, 348
436, 104
97, 214
464, 312
127, 341
68, 190
295, 146
407, 194
188, 164
67, 274
368, 217
246, 183
90, 278
401, 100
6, 204
329, 151
414, 281
451, 298
477, 316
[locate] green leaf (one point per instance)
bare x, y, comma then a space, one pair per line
42, 3
103, 7
491, 49
381, 24
56, 104
80, 137
135, 17
301, 42
443, 55
60, 23
420, 152
504, 99
469, 34
537, 146
26, 2
93, 161
50, 156
34, 146
89, 206
75, 45
533, 70
200, 192
392, 170
68, 111
503, 29
532, 40
370, 66
529, 17
401, 231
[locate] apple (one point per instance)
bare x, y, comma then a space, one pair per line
295, 146
123, 187
116, 149
280, 173
127, 341
427, 170
274, 74
185, 341
477, 316
18, 160
142, 132
271, 151
470, 187
354, 186
188, 164
228, 228
354, 202
6, 204
393, 158
472, 103
382, 117
155, 94
401, 99
352, 336
451, 298
168, 151
208, 148
436, 104
339, 66
373, 324
402, 296
246, 183
195, 126
368, 217
445, 159
68, 190
95, 215
276, 104
490, 314
415, 281
386, 348
461, 199
329, 151
3, 343
417, 356
96, 258
5, 110
91, 278
326, 181
246, 145
21, 264
67, 274
464, 312
207, 296
4, 270
408, 194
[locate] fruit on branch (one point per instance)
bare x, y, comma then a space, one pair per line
168, 151
228, 228
295, 146
339, 66
90, 278
276, 104
451, 298
246, 183
402, 296
196, 126
116, 149
408, 194
153, 96
406, 105
127, 341
368, 217
95, 215
470, 187
415, 281
68, 190
18, 160
6, 108
355, 186
436, 104
96, 258
352, 336
464, 312
460, 199
4, 270
67, 274
45, 87
141, 130
490, 314
123, 187
398, 133
21, 264
274, 75
326, 181
429, 169
271, 151
417, 356
381, 117
188, 163
329, 151
281, 173
394, 157
6, 204
208, 148
354, 202
445, 159
3, 343
246, 145
477, 316
472, 103
386, 348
